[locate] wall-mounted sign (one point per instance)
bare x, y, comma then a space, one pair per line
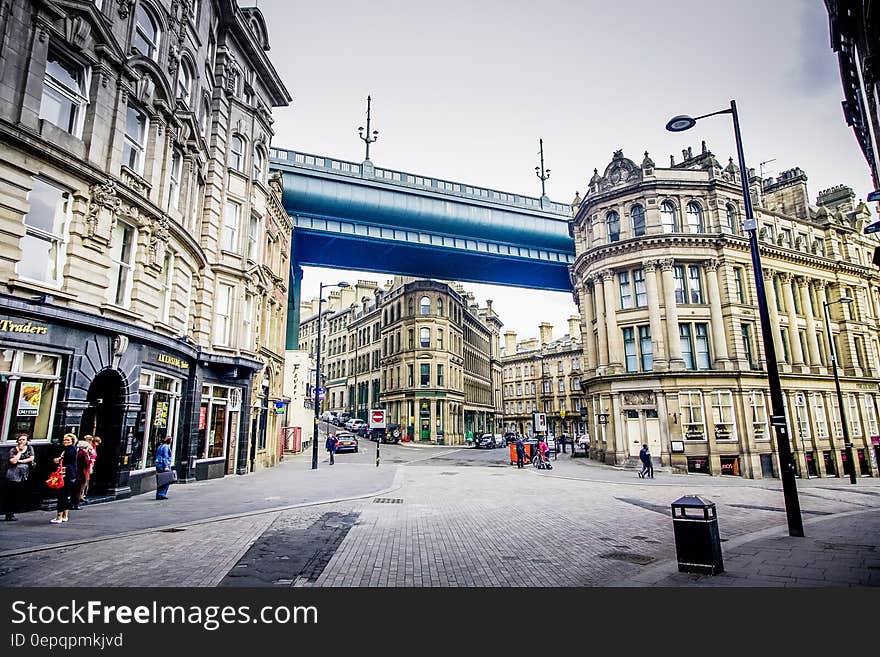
677, 446
173, 361
29, 327
29, 398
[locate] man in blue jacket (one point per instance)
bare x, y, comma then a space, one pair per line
163, 464
332, 443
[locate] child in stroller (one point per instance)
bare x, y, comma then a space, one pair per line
542, 460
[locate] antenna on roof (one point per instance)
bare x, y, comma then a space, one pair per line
761, 167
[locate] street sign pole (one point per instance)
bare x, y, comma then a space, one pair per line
377, 421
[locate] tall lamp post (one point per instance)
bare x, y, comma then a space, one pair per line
777, 419
847, 442
317, 408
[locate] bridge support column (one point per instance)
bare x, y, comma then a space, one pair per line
293, 300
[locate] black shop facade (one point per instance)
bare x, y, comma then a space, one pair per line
66, 371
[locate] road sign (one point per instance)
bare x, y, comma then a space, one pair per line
540, 422
377, 418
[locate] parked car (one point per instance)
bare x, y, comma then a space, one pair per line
328, 416
354, 424
348, 442
340, 419
393, 433
509, 438
489, 441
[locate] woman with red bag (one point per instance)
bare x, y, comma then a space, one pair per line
67, 458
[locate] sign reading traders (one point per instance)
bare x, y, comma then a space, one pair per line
30, 328
173, 361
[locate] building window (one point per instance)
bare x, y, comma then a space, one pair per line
870, 415
629, 349
174, 180
819, 415
236, 153
834, 414
853, 416
247, 323
231, 219
695, 286
612, 221
440, 375
819, 246
785, 237
747, 345
146, 33
167, 287
694, 217
802, 423
738, 275
668, 220
223, 314
425, 338
409, 375
184, 82
680, 287
647, 348
859, 349
65, 94
122, 249
722, 415
259, 164
561, 387
641, 292
730, 221
410, 339
253, 247
699, 346
638, 220
28, 389
625, 290
425, 306
135, 145
440, 307
440, 339
43, 246
204, 120
702, 344
424, 374
759, 415
691, 405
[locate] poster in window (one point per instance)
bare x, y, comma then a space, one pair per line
29, 399
160, 421
203, 416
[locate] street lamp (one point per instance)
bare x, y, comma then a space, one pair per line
777, 419
847, 442
317, 408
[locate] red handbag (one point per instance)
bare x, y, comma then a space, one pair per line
56, 479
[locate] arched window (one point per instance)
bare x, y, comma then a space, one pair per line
410, 307
236, 152
638, 218
730, 218
440, 307
612, 220
259, 161
146, 32
424, 306
667, 217
206, 115
184, 81
425, 338
694, 217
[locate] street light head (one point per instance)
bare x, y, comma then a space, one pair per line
846, 299
360, 128
342, 284
680, 123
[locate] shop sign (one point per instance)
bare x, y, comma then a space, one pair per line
29, 399
173, 361
30, 328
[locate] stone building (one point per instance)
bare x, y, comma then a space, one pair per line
542, 375
142, 251
672, 338
423, 350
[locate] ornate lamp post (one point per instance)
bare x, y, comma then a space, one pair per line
370, 138
847, 441
777, 419
317, 401
543, 174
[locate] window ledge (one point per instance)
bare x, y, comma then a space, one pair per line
112, 309
39, 288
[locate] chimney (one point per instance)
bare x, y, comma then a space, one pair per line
509, 343
546, 330
574, 327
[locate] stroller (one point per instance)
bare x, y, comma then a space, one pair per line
541, 462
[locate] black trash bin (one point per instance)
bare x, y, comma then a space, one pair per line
697, 543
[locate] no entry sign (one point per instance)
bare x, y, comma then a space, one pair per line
377, 419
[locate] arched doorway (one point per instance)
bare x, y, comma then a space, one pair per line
103, 418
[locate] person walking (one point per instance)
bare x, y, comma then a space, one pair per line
84, 466
520, 451
332, 444
68, 491
20, 460
647, 466
163, 464
93, 456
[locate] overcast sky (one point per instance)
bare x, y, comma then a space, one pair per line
464, 90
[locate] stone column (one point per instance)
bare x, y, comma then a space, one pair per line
615, 339
821, 300
676, 362
770, 290
814, 358
797, 354
719, 337
588, 315
661, 359
601, 325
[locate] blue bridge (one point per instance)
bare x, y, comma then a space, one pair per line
357, 216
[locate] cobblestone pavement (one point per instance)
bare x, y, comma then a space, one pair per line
454, 517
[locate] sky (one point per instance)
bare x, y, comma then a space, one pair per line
463, 90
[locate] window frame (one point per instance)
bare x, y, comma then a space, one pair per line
694, 209
612, 217
668, 217
638, 212
230, 236
153, 19
122, 289
130, 143
78, 99
236, 153
57, 240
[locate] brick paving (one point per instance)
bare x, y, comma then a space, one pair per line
465, 519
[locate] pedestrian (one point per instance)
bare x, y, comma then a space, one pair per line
332, 444
543, 449
562, 439
67, 493
520, 451
84, 466
93, 456
20, 461
647, 465
163, 464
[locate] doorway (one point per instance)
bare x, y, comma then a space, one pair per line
767, 466
103, 418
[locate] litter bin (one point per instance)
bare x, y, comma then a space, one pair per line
697, 543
